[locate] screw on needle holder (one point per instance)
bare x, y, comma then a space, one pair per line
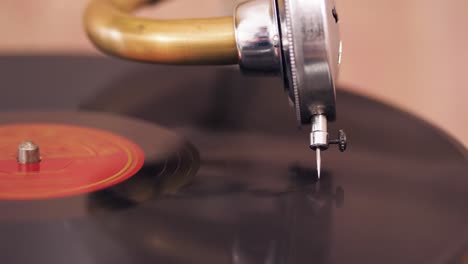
341, 141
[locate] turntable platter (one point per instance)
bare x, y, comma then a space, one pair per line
240, 185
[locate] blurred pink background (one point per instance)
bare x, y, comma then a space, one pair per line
408, 53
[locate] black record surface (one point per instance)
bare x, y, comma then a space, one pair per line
398, 195
170, 163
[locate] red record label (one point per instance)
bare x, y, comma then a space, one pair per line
74, 160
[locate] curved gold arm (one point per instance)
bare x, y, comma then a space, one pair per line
114, 30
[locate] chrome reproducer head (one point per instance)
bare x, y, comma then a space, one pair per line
297, 40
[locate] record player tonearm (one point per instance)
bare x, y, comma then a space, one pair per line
294, 39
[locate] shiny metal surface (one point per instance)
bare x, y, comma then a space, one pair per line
393, 198
319, 133
312, 51
28, 153
114, 30
318, 162
257, 37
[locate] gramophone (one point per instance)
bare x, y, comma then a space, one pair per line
295, 40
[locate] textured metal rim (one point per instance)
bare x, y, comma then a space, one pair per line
293, 70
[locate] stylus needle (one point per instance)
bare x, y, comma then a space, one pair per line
319, 161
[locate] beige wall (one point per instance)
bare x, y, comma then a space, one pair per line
410, 53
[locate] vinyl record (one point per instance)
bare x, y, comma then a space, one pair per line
227, 177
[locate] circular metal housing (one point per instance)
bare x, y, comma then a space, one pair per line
311, 50
297, 40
